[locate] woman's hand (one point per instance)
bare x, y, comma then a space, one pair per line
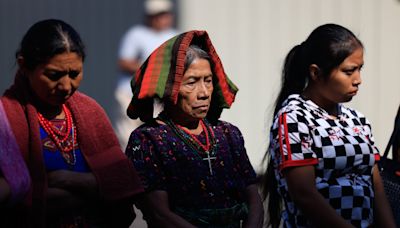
60, 201
155, 208
256, 210
83, 184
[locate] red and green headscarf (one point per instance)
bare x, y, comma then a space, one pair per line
161, 76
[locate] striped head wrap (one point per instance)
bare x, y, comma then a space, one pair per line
161, 76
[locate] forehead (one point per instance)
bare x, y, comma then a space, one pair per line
199, 67
64, 61
355, 58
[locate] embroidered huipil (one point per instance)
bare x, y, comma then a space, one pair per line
165, 162
341, 150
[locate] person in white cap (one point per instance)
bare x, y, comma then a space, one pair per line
136, 45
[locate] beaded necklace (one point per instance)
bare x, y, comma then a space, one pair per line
60, 138
191, 140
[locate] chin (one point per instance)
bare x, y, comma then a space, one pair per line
347, 99
200, 116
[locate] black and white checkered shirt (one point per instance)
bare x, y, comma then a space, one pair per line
341, 150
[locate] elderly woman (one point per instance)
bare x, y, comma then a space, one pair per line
194, 167
79, 174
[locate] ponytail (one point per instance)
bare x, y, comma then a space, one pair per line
327, 46
294, 75
270, 193
294, 79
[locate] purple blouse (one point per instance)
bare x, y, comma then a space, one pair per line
165, 162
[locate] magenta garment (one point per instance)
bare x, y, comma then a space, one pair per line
12, 165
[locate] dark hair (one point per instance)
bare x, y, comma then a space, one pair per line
327, 47
195, 52
48, 38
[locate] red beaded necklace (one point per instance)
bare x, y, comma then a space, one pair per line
60, 138
206, 147
210, 147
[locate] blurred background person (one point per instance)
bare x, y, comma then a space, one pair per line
136, 45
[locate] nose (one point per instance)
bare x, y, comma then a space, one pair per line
357, 78
64, 84
203, 91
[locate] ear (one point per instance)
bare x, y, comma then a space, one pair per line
21, 62
314, 71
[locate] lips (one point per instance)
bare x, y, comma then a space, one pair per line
201, 107
354, 92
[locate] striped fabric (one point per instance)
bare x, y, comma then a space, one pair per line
161, 76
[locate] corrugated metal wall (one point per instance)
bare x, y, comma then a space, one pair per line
253, 37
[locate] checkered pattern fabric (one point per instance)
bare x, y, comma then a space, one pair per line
341, 150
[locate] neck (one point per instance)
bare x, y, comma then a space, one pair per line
327, 105
50, 112
193, 125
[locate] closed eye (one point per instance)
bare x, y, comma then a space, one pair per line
74, 74
54, 75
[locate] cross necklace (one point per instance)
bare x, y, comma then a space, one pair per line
209, 158
192, 141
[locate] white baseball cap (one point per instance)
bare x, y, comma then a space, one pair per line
153, 7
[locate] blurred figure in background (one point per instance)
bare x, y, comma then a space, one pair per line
136, 45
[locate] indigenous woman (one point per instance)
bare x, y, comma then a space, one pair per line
194, 167
322, 154
80, 177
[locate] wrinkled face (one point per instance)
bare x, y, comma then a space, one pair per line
342, 84
55, 81
196, 88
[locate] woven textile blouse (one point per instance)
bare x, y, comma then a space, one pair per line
342, 151
165, 162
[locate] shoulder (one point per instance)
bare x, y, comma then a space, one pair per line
81, 96
293, 104
352, 112
228, 129
225, 126
137, 30
355, 114
84, 100
294, 107
149, 130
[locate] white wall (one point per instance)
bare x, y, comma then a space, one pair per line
252, 38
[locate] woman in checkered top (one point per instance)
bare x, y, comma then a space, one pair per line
322, 157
